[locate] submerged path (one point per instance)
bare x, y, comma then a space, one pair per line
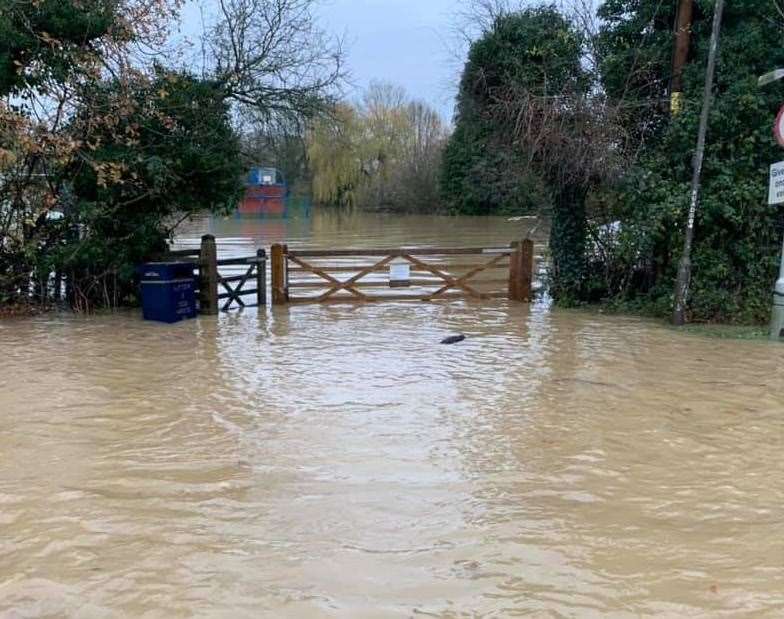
336, 461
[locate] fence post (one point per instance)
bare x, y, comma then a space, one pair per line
279, 291
261, 278
521, 267
208, 275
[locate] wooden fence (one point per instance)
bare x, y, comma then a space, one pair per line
428, 274
363, 275
220, 289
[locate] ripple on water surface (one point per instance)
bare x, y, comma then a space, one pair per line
338, 461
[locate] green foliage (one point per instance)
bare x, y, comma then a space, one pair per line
164, 149
567, 246
634, 47
41, 39
536, 48
518, 129
381, 155
481, 176
483, 172
737, 235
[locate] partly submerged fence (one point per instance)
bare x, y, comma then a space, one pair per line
352, 275
426, 274
221, 284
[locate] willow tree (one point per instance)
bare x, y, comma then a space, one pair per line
381, 153
334, 145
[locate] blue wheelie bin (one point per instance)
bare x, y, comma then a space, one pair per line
168, 291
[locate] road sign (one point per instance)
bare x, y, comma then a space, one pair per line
776, 190
771, 77
778, 128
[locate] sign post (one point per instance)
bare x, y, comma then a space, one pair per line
775, 197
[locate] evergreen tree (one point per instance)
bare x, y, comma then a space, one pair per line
42, 39
163, 148
535, 51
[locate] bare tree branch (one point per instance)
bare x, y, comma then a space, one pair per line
274, 60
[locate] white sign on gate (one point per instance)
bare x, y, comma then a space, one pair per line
776, 190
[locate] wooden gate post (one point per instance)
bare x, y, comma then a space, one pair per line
279, 288
208, 276
261, 278
521, 268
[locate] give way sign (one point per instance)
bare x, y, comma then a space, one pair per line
778, 129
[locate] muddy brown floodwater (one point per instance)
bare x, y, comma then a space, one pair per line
335, 461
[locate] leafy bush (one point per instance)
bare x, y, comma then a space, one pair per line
737, 239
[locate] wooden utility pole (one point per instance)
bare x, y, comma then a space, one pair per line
681, 54
684, 267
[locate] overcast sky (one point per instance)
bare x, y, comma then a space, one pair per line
404, 42
400, 41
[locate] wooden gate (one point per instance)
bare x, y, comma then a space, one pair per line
428, 274
224, 288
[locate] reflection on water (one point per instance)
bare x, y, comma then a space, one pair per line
335, 461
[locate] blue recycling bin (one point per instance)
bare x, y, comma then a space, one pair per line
168, 291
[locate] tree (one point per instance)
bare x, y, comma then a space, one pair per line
281, 74
44, 45
47, 39
275, 62
634, 46
99, 152
534, 50
336, 156
420, 159
163, 149
533, 134
380, 154
737, 234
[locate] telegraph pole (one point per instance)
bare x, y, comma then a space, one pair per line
684, 267
681, 54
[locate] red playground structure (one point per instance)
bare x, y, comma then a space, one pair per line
265, 193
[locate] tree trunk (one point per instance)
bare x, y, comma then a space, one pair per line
567, 246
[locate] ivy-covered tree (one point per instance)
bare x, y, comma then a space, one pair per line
533, 134
535, 50
634, 48
737, 234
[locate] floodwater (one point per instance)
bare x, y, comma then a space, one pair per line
336, 461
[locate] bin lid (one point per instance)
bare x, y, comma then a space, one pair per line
166, 270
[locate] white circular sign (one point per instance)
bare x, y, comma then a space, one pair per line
778, 129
